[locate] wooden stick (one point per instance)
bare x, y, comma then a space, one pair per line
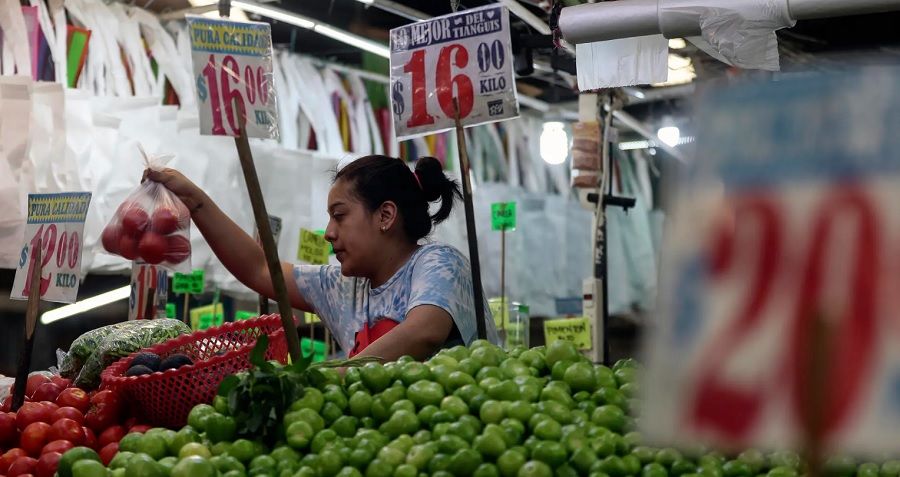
31, 312
818, 395
265, 235
150, 304
187, 297
263, 305
505, 308
327, 343
470, 224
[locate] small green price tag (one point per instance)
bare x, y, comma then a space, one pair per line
207, 321
317, 347
170, 310
503, 216
313, 248
202, 317
576, 330
244, 315
189, 283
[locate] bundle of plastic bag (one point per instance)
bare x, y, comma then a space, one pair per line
152, 224
122, 342
85, 345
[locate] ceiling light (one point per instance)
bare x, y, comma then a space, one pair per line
677, 43
669, 135
276, 14
85, 305
554, 143
354, 40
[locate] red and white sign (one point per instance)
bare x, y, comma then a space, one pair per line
465, 55
148, 283
56, 222
794, 271
233, 63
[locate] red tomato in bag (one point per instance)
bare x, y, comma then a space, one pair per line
164, 221
153, 247
134, 220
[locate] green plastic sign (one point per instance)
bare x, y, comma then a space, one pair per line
318, 348
189, 283
503, 216
170, 310
244, 315
313, 248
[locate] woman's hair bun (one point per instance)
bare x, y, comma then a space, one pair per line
437, 186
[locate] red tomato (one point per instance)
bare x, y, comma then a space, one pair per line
74, 397
34, 382
108, 452
67, 413
35, 437
31, 412
110, 435
59, 445
6, 404
108, 397
47, 464
22, 466
90, 440
110, 239
68, 430
152, 247
134, 220
140, 429
7, 427
179, 249
131, 422
9, 457
50, 406
164, 221
61, 381
128, 247
46, 392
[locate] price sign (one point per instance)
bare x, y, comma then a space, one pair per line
145, 276
275, 224
311, 317
313, 249
233, 62
576, 330
465, 55
203, 317
503, 216
57, 222
189, 282
791, 272
244, 315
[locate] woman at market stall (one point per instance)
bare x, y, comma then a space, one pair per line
392, 295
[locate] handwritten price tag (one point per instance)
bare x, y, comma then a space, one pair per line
576, 330
795, 265
503, 216
189, 282
465, 55
57, 222
313, 249
233, 62
203, 317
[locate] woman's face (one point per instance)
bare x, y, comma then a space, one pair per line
353, 231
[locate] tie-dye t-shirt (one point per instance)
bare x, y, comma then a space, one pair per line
436, 274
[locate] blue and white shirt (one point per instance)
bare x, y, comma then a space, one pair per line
436, 274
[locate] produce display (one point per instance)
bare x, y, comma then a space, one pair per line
478, 411
93, 351
56, 419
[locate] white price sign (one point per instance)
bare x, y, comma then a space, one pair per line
56, 221
792, 272
465, 55
233, 63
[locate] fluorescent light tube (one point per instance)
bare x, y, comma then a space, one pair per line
276, 14
353, 40
85, 305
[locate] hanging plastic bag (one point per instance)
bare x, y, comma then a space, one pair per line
152, 224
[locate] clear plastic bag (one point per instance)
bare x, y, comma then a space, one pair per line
152, 224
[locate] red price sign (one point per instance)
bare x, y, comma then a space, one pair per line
56, 223
233, 65
791, 274
464, 56
145, 277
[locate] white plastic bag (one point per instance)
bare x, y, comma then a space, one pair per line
152, 224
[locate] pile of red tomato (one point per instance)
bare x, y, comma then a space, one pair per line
55, 419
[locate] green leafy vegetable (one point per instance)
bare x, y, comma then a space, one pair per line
259, 398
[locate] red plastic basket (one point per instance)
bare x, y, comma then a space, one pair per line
165, 399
